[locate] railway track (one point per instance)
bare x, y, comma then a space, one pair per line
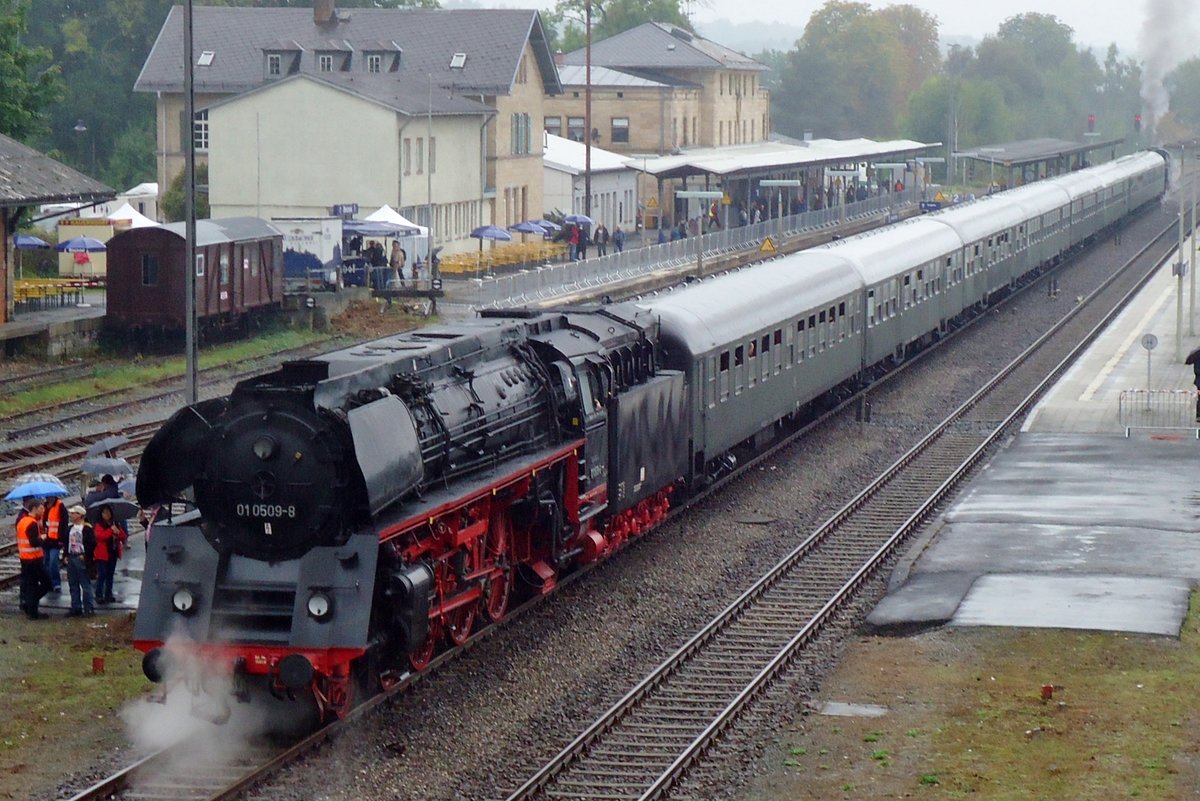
649, 739
173, 386
691, 710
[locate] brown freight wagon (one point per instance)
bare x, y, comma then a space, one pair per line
239, 274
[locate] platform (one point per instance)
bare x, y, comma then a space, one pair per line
1074, 524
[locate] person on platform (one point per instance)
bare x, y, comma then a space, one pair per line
54, 526
618, 239
109, 539
105, 489
573, 243
600, 237
1193, 359
396, 262
78, 555
34, 581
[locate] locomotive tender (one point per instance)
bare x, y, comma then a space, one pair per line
357, 509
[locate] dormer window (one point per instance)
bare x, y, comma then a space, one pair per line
274, 65
324, 62
374, 63
279, 62
380, 61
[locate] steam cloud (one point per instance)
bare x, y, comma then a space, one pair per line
1166, 41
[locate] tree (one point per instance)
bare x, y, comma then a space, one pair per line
1183, 83
172, 205
854, 69
609, 17
29, 82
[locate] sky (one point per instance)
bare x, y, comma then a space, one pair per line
1096, 22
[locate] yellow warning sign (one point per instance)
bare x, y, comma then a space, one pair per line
940, 197
652, 202
767, 246
726, 200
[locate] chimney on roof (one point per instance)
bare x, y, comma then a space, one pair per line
323, 12
560, 58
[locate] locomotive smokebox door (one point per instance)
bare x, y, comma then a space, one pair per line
649, 430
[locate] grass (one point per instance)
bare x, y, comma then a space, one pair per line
55, 708
967, 720
117, 374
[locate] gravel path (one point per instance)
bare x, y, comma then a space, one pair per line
486, 722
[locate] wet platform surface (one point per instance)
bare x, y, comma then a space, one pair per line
1074, 524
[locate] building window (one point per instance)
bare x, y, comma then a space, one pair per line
407, 156
274, 64
432, 154
522, 73
149, 269
420, 155
575, 129
620, 130
200, 130
325, 62
206, 58
554, 125
374, 63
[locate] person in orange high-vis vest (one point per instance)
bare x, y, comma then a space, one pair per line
54, 530
34, 581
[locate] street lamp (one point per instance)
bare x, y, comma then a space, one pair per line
81, 129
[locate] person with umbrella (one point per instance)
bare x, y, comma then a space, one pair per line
109, 539
1193, 359
54, 525
34, 581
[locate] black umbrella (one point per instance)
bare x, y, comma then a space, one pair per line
1193, 357
106, 465
102, 447
121, 508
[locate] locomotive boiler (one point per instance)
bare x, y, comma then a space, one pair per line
356, 509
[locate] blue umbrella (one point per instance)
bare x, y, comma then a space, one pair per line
37, 485
527, 227
491, 232
81, 244
29, 242
578, 219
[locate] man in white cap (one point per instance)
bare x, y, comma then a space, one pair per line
80, 545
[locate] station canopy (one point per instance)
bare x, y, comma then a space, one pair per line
766, 158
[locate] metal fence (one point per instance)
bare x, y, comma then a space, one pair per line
555, 280
1161, 409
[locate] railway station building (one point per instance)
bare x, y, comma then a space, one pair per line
424, 110
28, 179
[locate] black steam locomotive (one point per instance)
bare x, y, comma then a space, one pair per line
357, 510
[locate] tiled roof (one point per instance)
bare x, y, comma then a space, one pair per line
654, 45
28, 177
492, 39
406, 98
575, 75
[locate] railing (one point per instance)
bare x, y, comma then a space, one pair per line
553, 280
1160, 409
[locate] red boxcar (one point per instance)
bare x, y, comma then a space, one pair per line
239, 273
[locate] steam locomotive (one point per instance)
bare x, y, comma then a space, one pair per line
358, 510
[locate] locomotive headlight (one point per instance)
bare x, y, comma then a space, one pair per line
320, 605
264, 448
183, 601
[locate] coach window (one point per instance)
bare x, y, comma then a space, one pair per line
752, 367
872, 308
812, 335
149, 269
822, 331
778, 342
723, 378
798, 346
739, 368
841, 313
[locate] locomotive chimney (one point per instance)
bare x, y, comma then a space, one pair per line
323, 11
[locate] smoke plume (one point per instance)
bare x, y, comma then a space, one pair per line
1166, 41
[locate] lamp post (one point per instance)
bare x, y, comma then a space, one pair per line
699, 194
81, 129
